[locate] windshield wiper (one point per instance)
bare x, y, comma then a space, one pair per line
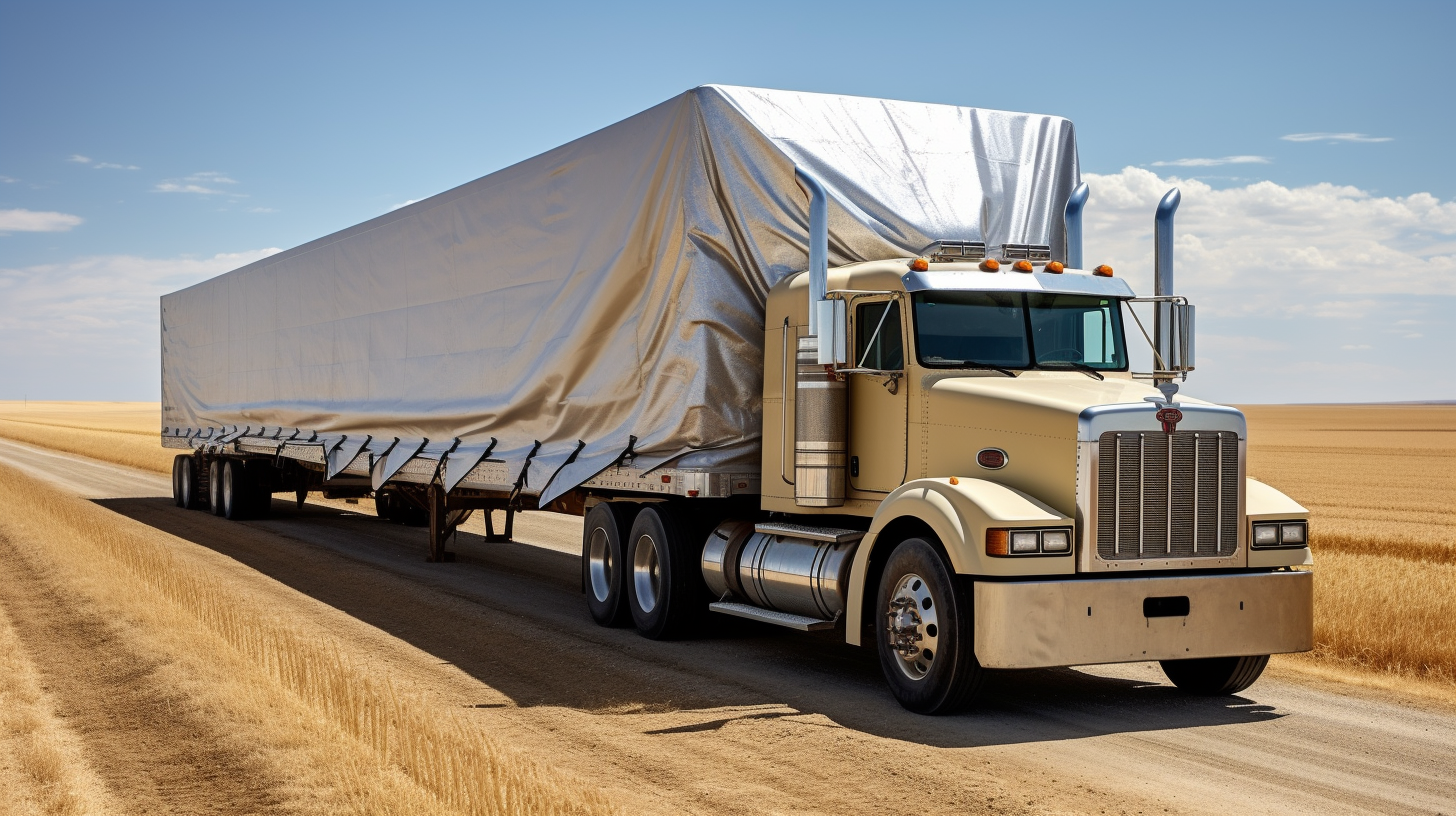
1082, 367
971, 364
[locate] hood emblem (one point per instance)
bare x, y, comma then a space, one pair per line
1168, 412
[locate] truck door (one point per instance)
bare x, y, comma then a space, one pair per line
877, 401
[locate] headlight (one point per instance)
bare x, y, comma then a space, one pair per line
1014, 541
1025, 541
1055, 541
1281, 534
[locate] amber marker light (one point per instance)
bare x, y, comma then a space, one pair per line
954, 480
1054, 267
990, 265
1104, 271
1022, 266
920, 265
997, 542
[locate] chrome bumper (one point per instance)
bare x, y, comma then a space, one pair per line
1036, 624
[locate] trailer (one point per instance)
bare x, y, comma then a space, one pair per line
824, 362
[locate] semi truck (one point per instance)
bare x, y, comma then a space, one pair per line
824, 362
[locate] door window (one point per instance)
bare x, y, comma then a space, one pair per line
885, 351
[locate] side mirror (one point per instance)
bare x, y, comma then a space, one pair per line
1176, 346
1173, 341
833, 320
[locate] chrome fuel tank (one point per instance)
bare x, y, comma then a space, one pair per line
787, 567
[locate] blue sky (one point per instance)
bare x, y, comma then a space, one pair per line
144, 146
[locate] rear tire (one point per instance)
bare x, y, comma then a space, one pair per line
214, 486
665, 590
924, 632
1215, 676
177, 496
604, 563
237, 493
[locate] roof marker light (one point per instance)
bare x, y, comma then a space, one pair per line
1054, 267
920, 265
1104, 271
990, 265
1022, 266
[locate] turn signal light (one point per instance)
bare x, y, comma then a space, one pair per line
1054, 267
997, 541
920, 265
1022, 266
1103, 271
990, 265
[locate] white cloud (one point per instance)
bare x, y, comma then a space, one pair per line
197, 183
36, 221
79, 159
1284, 277
8, 180
1335, 137
1355, 348
404, 204
1213, 162
261, 210
110, 166
93, 319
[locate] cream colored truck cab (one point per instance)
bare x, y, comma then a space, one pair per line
1070, 524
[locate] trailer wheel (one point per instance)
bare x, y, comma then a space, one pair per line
177, 497
214, 486
664, 583
237, 494
604, 563
189, 484
924, 632
1215, 676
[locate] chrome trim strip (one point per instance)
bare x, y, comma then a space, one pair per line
1140, 416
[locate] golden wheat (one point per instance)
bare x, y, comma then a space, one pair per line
127, 433
453, 759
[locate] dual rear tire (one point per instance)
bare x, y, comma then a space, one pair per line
189, 489
641, 564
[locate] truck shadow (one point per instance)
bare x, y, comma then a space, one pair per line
511, 616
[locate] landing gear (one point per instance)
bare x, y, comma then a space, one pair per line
924, 632
665, 590
604, 562
1215, 676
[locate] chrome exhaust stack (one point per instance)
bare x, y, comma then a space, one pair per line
1172, 319
821, 434
1072, 223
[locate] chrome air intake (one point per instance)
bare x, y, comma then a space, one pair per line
785, 567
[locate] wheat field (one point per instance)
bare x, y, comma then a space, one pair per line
1380, 484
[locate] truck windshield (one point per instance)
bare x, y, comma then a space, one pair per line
1018, 330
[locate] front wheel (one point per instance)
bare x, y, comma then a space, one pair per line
924, 632
1215, 676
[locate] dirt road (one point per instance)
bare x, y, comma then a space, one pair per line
750, 719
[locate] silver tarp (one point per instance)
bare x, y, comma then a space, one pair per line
608, 289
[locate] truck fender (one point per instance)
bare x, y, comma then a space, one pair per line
959, 514
1264, 503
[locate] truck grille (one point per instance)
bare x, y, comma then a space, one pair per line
1165, 495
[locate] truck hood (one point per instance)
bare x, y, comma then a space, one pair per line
1069, 406
1038, 419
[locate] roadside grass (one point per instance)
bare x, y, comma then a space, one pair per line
42, 767
447, 763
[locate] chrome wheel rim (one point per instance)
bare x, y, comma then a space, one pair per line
912, 621
599, 564
646, 573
